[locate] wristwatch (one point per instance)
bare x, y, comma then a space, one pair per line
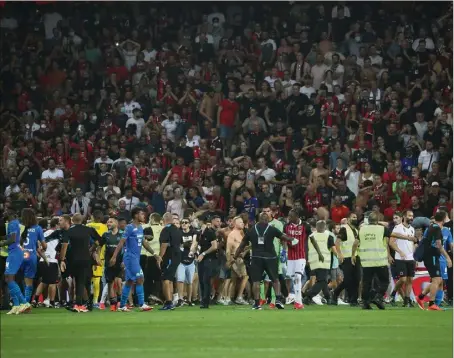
202, 254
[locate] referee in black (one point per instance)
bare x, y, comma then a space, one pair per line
170, 239
207, 262
80, 238
263, 257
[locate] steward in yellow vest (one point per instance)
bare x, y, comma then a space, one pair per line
352, 273
373, 249
321, 247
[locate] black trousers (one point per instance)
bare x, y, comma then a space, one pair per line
352, 278
205, 269
152, 276
82, 273
380, 277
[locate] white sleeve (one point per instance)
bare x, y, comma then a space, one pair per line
398, 230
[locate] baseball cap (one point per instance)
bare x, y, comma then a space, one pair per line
435, 183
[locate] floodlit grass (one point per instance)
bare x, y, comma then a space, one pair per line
232, 332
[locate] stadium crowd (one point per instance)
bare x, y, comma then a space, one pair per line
216, 119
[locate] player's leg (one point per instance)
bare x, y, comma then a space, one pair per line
271, 268
297, 280
256, 271
180, 276
13, 264
189, 279
368, 276
444, 276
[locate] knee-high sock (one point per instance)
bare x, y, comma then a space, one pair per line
15, 293
28, 293
125, 295
105, 292
439, 297
273, 295
96, 282
140, 294
297, 285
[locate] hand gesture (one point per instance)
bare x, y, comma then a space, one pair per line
62, 266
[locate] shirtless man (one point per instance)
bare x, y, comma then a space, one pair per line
225, 272
207, 107
239, 274
318, 171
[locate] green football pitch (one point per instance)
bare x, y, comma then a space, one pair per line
232, 332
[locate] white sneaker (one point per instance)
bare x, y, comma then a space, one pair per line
24, 308
221, 301
226, 302
317, 300
290, 299
123, 309
14, 310
241, 301
145, 308
341, 303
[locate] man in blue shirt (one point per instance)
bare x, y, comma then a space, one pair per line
251, 205
133, 240
13, 264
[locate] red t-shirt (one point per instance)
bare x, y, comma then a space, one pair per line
228, 113
338, 213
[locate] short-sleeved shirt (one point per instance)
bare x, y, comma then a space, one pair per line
172, 236
79, 238
134, 237
261, 237
431, 236
407, 247
205, 240
13, 228
33, 235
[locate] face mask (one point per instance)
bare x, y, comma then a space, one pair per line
354, 222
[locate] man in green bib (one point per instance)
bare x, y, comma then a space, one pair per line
373, 249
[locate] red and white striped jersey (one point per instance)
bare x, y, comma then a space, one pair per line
296, 231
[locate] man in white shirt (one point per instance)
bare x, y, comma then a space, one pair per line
422, 37
149, 53
272, 78
402, 241
375, 58
427, 157
265, 172
136, 120
129, 105
420, 125
131, 201
52, 174
318, 71
12, 188
352, 175
307, 89
191, 139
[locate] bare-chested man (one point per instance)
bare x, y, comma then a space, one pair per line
225, 272
239, 274
208, 107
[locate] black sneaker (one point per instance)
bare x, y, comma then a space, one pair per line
204, 306
378, 301
279, 304
191, 304
258, 307
180, 303
367, 306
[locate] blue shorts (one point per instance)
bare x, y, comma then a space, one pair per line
133, 271
443, 270
14, 262
30, 265
226, 132
185, 273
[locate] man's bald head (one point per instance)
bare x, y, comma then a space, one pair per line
167, 218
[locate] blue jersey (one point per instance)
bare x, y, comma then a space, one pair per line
13, 228
34, 234
447, 240
134, 237
408, 164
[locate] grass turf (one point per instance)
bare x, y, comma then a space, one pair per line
229, 332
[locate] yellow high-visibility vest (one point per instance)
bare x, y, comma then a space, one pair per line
154, 244
101, 229
346, 246
372, 246
322, 241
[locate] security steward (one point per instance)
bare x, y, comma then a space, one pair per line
373, 249
320, 250
263, 257
352, 273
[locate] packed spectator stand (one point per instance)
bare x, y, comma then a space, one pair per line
200, 109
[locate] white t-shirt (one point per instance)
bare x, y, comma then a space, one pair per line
51, 250
149, 55
131, 203
52, 174
140, 124
175, 206
193, 142
308, 91
171, 127
407, 247
426, 159
50, 22
129, 107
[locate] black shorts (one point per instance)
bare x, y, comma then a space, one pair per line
2, 268
169, 269
432, 265
260, 265
112, 272
49, 273
321, 274
404, 268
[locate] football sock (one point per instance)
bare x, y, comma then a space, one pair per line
140, 294
13, 291
439, 297
96, 282
297, 287
273, 295
104, 294
262, 290
125, 295
431, 303
28, 293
